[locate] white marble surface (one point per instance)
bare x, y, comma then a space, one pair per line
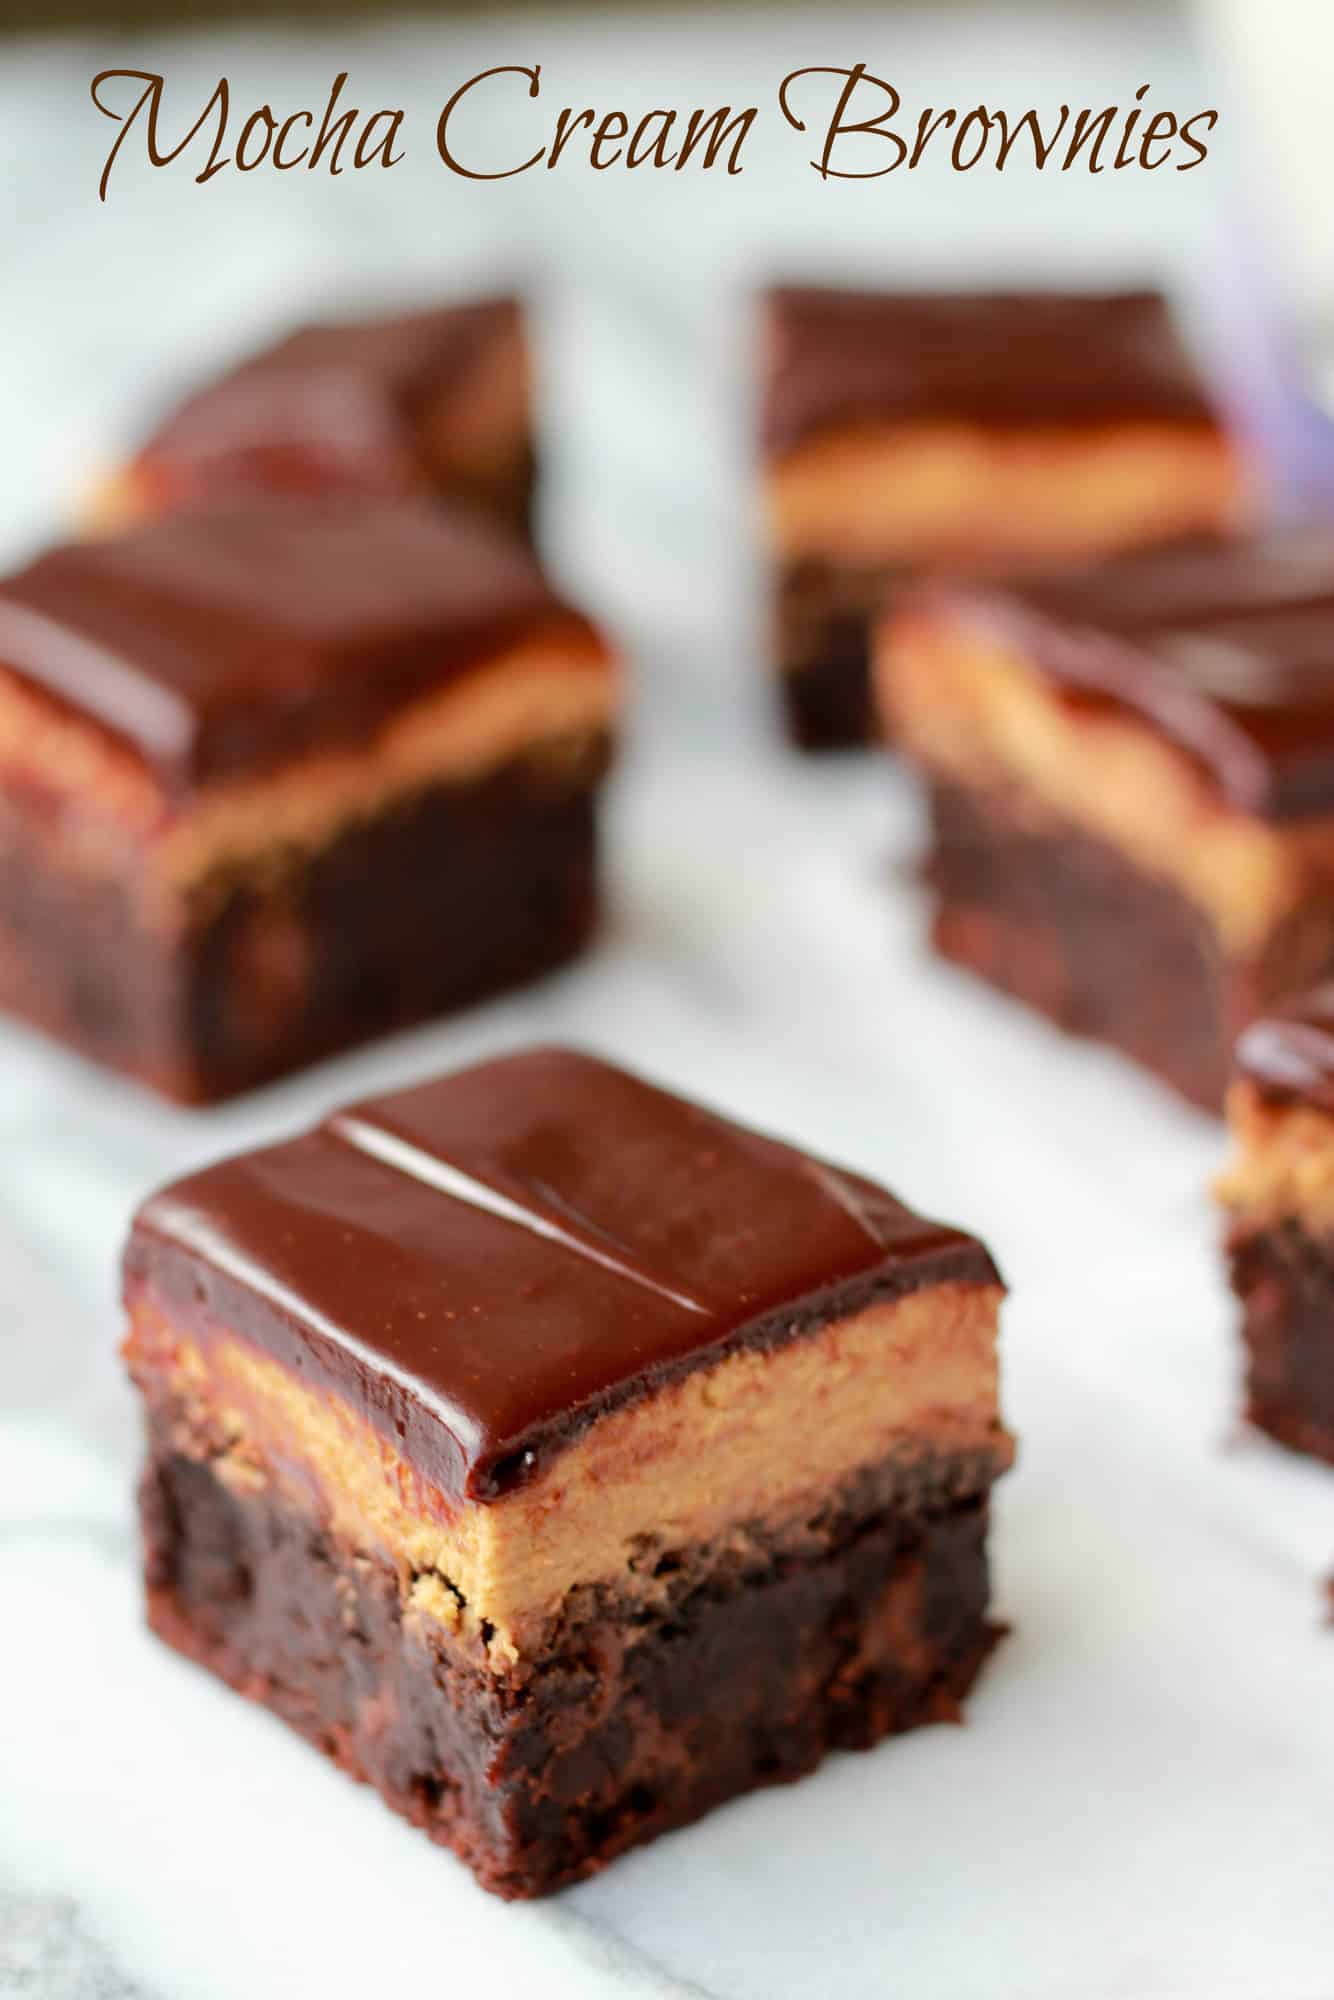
1140, 1803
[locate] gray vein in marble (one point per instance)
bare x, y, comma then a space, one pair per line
607, 1951
46, 1951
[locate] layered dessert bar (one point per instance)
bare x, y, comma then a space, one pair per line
277, 776
1131, 778
562, 1459
1279, 1197
903, 431
435, 401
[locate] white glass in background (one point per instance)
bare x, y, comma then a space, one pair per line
1270, 67
1275, 60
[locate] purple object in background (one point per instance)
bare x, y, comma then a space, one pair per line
1267, 375
1273, 299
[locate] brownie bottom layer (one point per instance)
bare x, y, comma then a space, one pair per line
1285, 1281
825, 615
644, 1712
447, 897
827, 701
1066, 923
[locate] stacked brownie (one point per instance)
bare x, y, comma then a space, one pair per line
562, 1459
1131, 777
911, 431
426, 402
1279, 1198
276, 776
307, 749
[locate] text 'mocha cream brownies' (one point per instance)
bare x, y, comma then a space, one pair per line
562, 1459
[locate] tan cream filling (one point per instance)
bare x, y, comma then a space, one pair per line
976, 712
928, 491
114, 502
544, 697
550, 690
755, 1438
1283, 1164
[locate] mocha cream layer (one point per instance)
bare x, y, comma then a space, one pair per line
978, 713
756, 1438
928, 491
545, 698
1283, 1164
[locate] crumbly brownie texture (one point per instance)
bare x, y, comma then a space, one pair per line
825, 613
562, 1459
279, 776
909, 432
1132, 782
436, 400
1278, 1194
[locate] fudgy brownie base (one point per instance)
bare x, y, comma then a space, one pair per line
827, 704
1070, 925
449, 895
644, 1711
1067, 924
1284, 1278
825, 614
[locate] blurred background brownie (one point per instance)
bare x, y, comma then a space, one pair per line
1131, 774
436, 401
1279, 1198
563, 1459
914, 430
278, 776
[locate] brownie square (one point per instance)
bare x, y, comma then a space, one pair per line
436, 401
911, 431
1278, 1196
1131, 774
562, 1459
278, 776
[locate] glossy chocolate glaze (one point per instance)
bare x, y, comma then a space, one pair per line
1001, 359
1289, 1053
1226, 648
483, 1264
335, 406
225, 639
